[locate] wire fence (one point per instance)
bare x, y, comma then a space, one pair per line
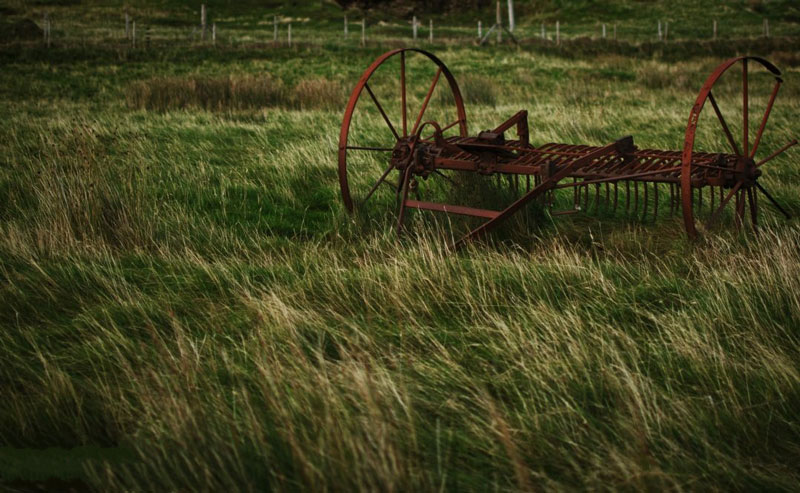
143, 33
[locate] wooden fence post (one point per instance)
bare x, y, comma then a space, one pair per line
214, 33
511, 23
480, 30
46, 29
558, 33
290, 34
430, 31
363, 32
345, 25
127, 26
203, 22
543, 33
660, 37
766, 28
275, 29
414, 27
604, 30
715, 29
499, 23
133, 33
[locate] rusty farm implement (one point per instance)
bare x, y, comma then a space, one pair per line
700, 183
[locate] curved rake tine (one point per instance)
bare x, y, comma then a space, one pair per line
627, 196
671, 199
712, 194
655, 203
635, 197
607, 194
776, 153
616, 195
574, 193
383, 113
644, 209
596, 198
724, 124
586, 198
722, 204
427, 100
745, 115
774, 202
766, 116
403, 90
699, 199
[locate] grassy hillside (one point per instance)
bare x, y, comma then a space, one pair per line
184, 303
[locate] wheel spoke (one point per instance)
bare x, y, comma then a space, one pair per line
745, 101
404, 186
383, 113
724, 125
766, 116
740, 196
377, 184
364, 148
403, 90
751, 199
776, 153
722, 204
444, 129
427, 99
773, 201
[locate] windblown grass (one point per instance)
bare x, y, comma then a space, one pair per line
185, 288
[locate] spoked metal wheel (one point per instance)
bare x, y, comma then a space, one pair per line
712, 183
379, 127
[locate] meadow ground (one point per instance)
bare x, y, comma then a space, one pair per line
185, 305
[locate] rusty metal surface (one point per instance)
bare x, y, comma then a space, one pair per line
679, 176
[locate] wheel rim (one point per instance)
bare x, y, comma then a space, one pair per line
401, 126
739, 153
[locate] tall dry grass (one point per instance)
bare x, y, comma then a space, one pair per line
232, 93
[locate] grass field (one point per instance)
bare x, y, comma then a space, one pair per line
185, 304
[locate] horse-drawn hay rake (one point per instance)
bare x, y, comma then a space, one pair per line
701, 184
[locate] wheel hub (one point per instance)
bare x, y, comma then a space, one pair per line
411, 151
747, 172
